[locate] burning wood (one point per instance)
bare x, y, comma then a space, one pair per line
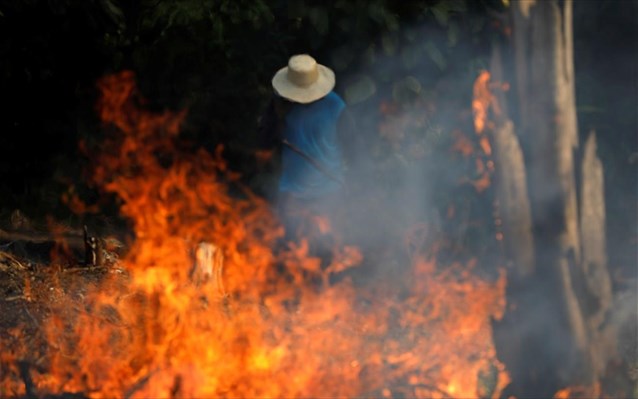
209, 263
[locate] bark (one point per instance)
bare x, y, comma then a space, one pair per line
594, 254
552, 107
546, 94
511, 336
513, 201
521, 37
511, 183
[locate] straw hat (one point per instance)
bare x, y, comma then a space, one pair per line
303, 80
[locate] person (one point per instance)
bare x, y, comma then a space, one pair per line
309, 123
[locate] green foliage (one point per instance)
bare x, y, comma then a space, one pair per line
164, 15
445, 10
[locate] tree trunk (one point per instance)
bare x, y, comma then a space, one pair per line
511, 182
553, 296
594, 257
511, 335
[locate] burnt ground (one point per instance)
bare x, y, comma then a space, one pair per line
37, 275
40, 275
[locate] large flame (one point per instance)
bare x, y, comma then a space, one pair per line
279, 327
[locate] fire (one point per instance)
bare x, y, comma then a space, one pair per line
592, 391
269, 323
483, 98
484, 105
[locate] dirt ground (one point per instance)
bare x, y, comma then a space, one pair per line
37, 276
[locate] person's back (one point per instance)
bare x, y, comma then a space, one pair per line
306, 114
312, 162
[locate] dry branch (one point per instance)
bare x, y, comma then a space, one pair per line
93, 250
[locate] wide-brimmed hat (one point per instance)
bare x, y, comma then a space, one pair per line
303, 80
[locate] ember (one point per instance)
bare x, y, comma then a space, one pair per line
270, 322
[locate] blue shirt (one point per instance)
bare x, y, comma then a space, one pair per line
312, 128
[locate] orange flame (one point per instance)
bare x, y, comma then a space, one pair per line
592, 391
277, 327
481, 101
